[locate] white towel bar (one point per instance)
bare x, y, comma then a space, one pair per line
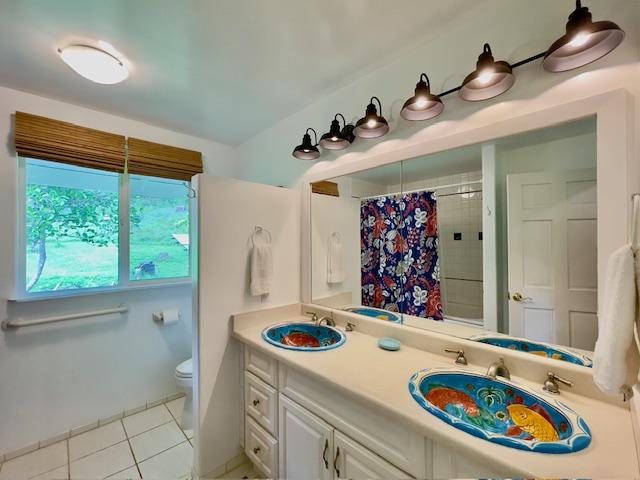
18, 323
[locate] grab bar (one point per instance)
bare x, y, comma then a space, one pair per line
17, 323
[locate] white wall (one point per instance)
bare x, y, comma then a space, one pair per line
58, 377
235, 208
516, 29
341, 215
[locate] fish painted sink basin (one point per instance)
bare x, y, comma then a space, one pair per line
499, 411
375, 313
306, 337
535, 348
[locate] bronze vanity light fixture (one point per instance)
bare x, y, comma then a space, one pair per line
336, 138
306, 150
372, 125
584, 42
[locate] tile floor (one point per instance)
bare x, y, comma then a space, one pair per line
149, 444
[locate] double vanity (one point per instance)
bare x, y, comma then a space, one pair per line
322, 400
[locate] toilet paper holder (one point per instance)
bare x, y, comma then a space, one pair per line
166, 316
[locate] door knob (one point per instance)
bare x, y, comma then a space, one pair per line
518, 297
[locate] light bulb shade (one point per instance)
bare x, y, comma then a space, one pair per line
488, 80
371, 125
94, 64
306, 150
423, 105
336, 139
584, 42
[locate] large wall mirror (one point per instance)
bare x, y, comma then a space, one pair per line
494, 242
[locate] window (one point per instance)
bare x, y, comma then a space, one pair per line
159, 228
75, 233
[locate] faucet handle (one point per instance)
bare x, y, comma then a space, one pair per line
551, 383
314, 316
553, 376
460, 359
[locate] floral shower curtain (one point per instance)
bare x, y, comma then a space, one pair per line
422, 283
399, 254
381, 253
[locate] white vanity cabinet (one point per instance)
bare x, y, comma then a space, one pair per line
298, 428
310, 448
352, 460
306, 443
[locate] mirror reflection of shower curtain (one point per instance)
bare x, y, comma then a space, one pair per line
381, 253
422, 267
399, 254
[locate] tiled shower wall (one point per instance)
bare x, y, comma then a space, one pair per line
460, 242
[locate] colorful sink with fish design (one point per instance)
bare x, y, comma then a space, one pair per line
500, 412
375, 313
535, 348
307, 337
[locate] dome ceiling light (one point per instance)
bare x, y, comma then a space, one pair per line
94, 64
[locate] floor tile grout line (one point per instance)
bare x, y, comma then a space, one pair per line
165, 450
133, 455
97, 451
145, 431
179, 426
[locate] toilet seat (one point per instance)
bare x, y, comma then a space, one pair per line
185, 369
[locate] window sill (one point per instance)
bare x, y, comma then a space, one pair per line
36, 297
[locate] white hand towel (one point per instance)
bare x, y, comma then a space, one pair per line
616, 322
335, 272
261, 263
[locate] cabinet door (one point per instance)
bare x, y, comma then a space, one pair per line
306, 443
447, 463
352, 460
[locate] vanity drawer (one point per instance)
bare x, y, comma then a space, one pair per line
261, 402
261, 448
261, 365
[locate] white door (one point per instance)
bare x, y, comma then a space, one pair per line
352, 460
552, 257
306, 443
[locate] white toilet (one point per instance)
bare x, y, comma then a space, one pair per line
184, 380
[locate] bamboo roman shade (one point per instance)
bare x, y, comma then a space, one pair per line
46, 139
157, 160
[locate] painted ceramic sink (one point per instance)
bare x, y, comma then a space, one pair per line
499, 411
535, 348
375, 313
306, 337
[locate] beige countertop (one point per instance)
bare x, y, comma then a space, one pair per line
362, 370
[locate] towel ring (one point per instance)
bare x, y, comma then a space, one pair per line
260, 229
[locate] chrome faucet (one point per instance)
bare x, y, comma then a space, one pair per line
551, 383
498, 369
327, 320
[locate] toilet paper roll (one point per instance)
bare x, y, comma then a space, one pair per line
169, 317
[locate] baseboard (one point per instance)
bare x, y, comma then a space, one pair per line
86, 427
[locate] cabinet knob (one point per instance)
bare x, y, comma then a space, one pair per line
256, 402
256, 450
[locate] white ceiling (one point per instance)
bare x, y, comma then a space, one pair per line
220, 69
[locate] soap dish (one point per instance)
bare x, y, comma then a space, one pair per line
390, 344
